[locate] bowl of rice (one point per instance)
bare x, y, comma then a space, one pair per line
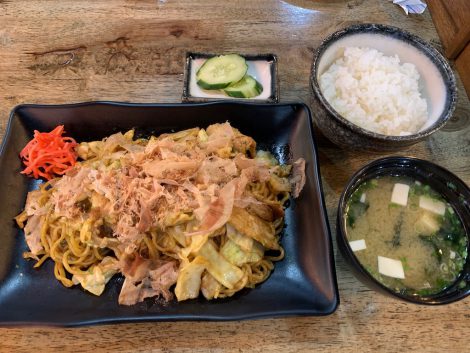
379, 88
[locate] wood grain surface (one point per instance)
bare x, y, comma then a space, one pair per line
77, 50
451, 19
462, 64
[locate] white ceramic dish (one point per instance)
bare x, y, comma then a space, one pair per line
436, 84
262, 67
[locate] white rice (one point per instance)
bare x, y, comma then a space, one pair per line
375, 92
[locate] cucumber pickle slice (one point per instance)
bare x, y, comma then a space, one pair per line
221, 71
247, 87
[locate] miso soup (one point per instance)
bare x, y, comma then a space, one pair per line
406, 235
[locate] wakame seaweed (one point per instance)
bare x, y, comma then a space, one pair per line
356, 208
397, 231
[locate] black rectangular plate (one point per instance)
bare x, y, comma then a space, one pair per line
304, 283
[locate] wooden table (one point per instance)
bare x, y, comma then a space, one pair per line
77, 50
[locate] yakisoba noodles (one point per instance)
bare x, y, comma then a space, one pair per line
196, 211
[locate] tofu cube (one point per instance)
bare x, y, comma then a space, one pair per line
390, 267
432, 205
400, 194
357, 245
427, 224
363, 198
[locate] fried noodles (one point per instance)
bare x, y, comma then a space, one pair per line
196, 211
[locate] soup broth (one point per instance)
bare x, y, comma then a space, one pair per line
406, 235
